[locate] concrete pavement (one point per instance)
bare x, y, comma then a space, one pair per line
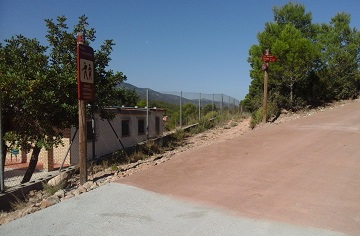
117, 209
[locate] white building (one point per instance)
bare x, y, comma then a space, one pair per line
126, 129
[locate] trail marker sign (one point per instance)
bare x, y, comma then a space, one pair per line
268, 58
85, 73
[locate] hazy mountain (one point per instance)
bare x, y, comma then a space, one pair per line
164, 97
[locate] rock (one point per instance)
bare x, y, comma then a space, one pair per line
60, 193
75, 192
27, 211
58, 179
48, 202
87, 185
82, 189
33, 200
284, 111
68, 196
32, 193
94, 185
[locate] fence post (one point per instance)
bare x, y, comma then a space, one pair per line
180, 109
200, 107
222, 103
229, 106
212, 107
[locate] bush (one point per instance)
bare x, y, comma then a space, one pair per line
256, 117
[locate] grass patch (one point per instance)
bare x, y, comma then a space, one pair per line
50, 190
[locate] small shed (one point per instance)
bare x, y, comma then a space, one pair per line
127, 128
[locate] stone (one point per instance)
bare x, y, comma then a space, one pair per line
33, 200
60, 193
32, 193
48, 202
75, 192
81, 189
87, 185
58, 179
70, 195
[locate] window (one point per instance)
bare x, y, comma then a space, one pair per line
141, 126
125, 128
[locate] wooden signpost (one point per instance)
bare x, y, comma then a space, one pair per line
266, 59
86, 92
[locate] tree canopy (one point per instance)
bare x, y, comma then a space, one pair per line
317, 63
39, 87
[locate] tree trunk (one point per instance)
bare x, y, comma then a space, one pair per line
32, 164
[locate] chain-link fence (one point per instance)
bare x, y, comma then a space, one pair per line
180, 109
193, 107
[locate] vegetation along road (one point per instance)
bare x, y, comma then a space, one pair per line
304, 172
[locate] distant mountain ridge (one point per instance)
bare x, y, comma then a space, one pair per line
157, 96
168, 98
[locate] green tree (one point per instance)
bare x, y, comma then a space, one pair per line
296, 15
298, 56
290, 39
125, 97
39, 86
340, 57
27, 117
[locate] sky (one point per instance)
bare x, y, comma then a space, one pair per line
196, 46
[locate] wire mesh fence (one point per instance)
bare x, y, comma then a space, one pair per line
180, 109
193, 107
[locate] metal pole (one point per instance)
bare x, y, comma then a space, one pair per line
212, 107
2, 187
200, 107
117, 136
68, 150
229, 105
181, 109
222, 103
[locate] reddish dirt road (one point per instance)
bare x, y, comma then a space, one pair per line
304, 172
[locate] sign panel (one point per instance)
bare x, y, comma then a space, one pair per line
85, 73
268, 58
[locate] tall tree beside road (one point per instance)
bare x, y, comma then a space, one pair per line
39, 85
316, 63
27, 121
340, 57
288, 38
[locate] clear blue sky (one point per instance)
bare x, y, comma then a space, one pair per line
170, 45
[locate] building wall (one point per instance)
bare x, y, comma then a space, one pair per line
106, 140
